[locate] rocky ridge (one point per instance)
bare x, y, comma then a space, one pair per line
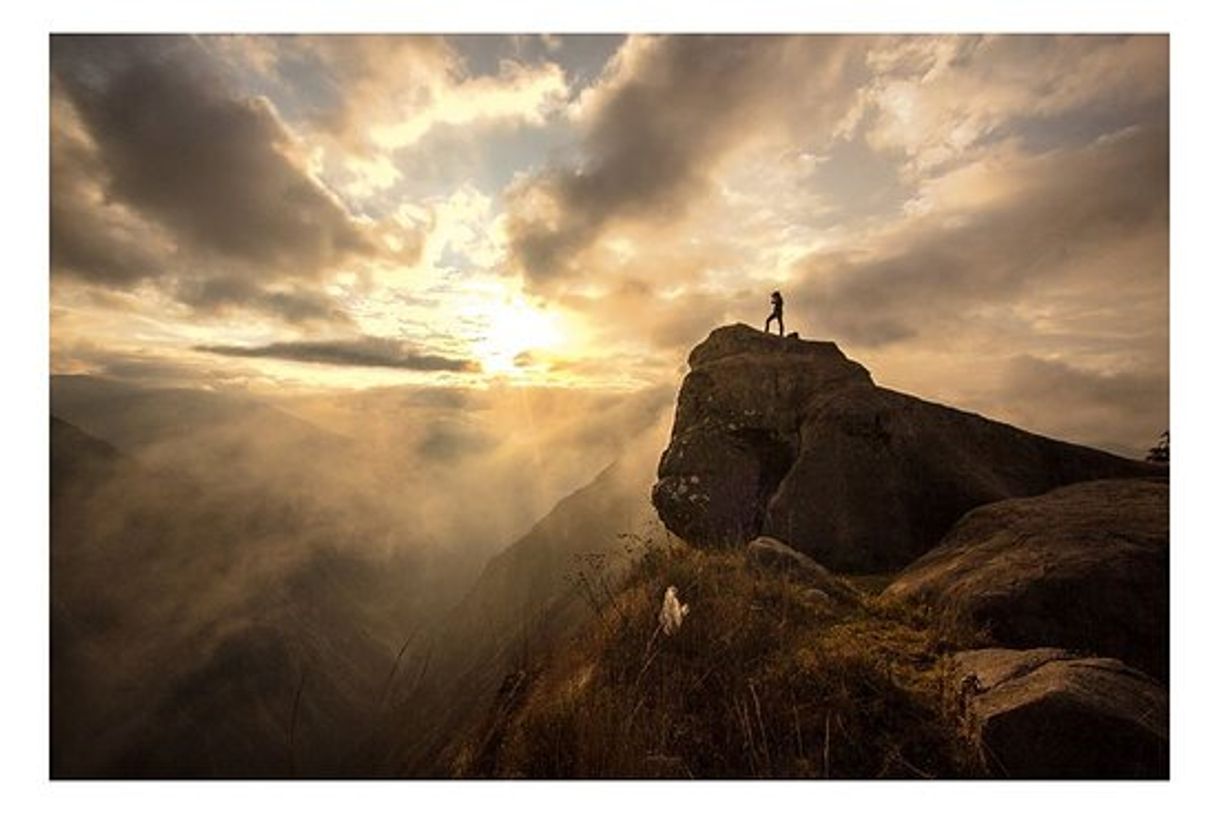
789, 438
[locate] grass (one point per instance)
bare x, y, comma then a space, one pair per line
762, 680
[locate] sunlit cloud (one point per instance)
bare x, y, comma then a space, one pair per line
554, 211
514, 328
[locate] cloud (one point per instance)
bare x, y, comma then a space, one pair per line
213, 168
938, 205
93, 238
1114, 410
368, 351
388, 92
360, 77
524, 94
296, 305
999, 237
933, 100
385, 115
147, 367
635, 309
655, 129
161, 172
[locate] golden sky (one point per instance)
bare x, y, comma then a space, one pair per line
982, 221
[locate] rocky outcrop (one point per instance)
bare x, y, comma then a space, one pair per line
1045, 713
1083, 567
790, 438
770, 554
736, 431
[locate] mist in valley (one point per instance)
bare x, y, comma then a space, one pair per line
254, 586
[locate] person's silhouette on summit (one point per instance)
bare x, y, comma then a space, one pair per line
776, 301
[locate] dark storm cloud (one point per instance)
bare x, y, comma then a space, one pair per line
296, 306
92, 241
206, 164
159, 171
1070, 204
367, 351
656, 133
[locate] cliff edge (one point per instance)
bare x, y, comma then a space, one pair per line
789, 438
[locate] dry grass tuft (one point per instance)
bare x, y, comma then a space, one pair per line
760, 681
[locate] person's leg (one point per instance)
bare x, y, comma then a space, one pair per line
768, 319
782, 331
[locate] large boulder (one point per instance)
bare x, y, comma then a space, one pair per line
789, 438
1048, 714
1083, 567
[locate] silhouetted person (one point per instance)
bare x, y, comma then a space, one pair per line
776, 301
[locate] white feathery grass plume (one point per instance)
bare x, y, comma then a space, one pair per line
672, 612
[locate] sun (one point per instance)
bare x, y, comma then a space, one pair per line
513, 326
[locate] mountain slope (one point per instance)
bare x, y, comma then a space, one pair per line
183, 617
528, 600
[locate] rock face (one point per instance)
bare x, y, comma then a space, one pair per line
1083, 567
790, 438
769, 553
1044, 713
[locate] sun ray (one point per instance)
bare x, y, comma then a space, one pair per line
515, 327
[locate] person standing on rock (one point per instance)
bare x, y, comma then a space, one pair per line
776, 313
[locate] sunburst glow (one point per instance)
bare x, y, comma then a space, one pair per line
514, 327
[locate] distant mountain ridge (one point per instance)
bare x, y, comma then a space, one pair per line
78, 458
132, 417
527, 601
